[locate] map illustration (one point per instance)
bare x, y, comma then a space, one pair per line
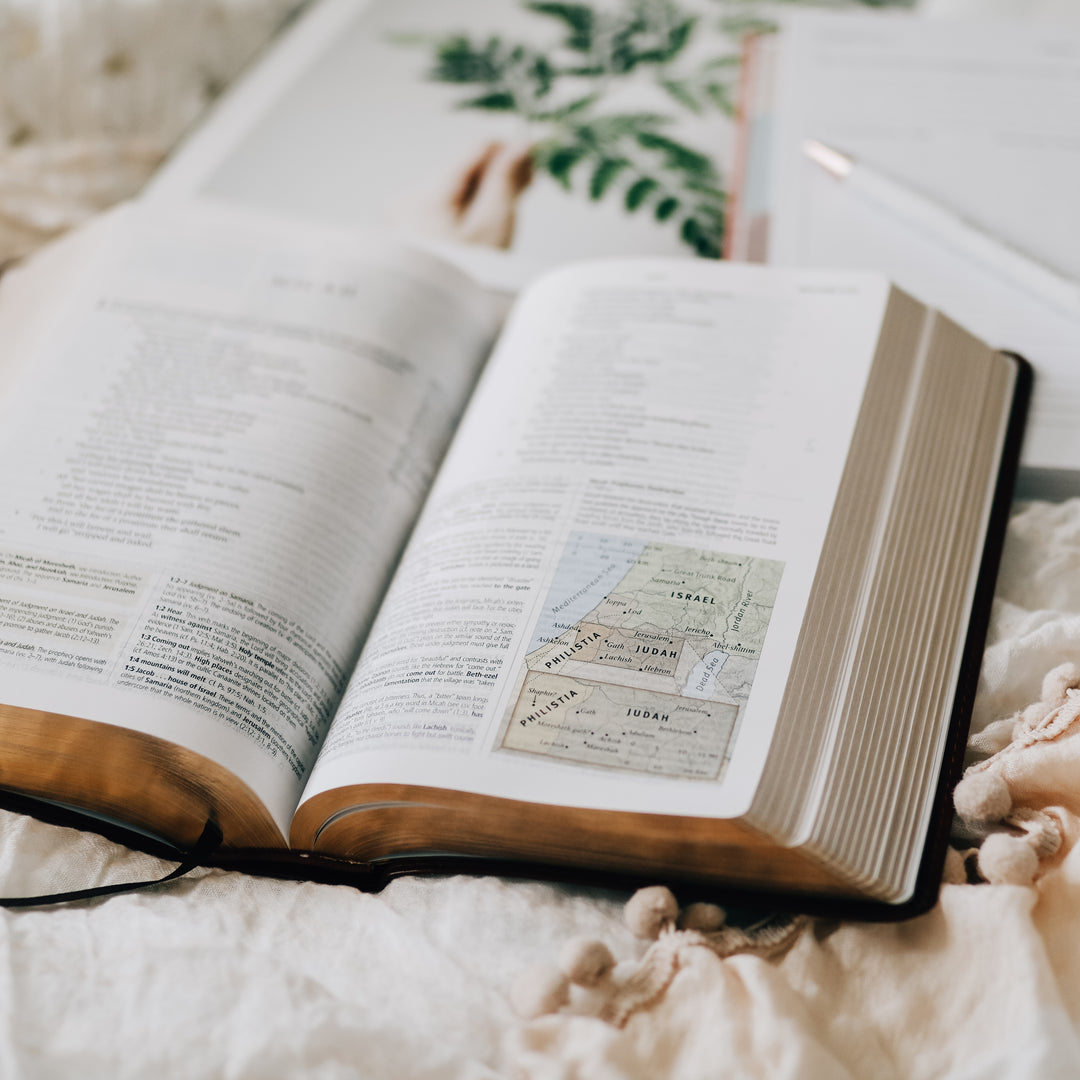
643, 656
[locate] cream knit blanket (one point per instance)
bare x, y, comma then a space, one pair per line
985, 985
94, 93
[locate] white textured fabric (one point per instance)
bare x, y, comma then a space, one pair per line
227, 975
233, 976
93, 94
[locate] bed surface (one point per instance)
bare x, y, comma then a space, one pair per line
225, 974
222, 974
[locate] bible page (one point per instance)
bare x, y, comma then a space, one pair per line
210, 465
601, 600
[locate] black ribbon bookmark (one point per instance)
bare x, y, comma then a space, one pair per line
207, 842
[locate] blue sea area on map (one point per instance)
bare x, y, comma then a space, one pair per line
590, 567
702, 681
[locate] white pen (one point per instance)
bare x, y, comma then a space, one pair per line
949, 229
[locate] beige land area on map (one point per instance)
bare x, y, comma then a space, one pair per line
653, 677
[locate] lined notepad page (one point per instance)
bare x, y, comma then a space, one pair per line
982, 117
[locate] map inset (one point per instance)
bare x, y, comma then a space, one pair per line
643, 656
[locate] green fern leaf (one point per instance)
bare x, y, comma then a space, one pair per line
578, 19
691, 231
604, 130
678, 156
707, 190
585, 71
564, 112
708, 248
639, 191
731, 61
720, 95
562, 160
666, 207
682, 93
603, 176
705, 241
678, 38
458, 61
542, 74
500, 101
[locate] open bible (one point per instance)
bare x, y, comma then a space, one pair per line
680, 575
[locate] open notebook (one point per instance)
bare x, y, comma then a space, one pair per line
978, 115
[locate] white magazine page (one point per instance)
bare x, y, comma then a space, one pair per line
980, 116
506, 137
601, 601
209, 467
